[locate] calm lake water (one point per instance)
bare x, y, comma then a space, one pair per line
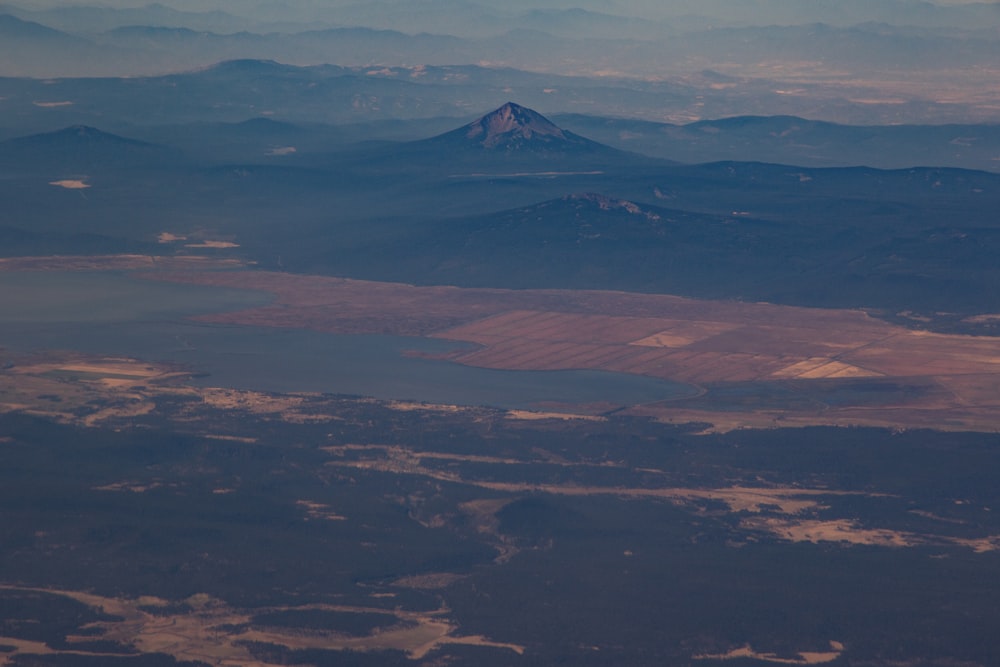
112, 313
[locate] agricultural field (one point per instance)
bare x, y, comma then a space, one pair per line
833, 367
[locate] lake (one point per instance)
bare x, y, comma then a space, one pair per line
112, 313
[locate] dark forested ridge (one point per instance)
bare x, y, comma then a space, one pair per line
525, 204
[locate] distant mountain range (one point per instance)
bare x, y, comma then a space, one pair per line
794, 140
156, 49
249, 110
470, 18
419, 101
512, 199
774, 67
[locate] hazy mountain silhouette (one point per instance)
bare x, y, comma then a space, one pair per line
12, 27
100, 18
515, 136
515, 128
799, 141
81, 147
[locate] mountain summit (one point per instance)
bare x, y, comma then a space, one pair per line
514, 129
513, 124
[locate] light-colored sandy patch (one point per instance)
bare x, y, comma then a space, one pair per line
231, 438
822, 367
134, 408
251, 401
282, 150
409, 406
79, 389
935, 517
151, 601
680, 333
308, 417
980, 546
167, 237
22, 646
836, 369
131, 487
395, 457
70, 184
837, 530
877, 100
123, 367
291, 408
316, 510
53, 105
98, 368
986, 318
804, 657
530, 415
848, 531
212, 244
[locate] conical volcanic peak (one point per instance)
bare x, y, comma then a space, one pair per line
511, 124
515, 129
515, 134
81, 147
75, 135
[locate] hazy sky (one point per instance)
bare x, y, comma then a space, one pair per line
245, 6
756, 11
